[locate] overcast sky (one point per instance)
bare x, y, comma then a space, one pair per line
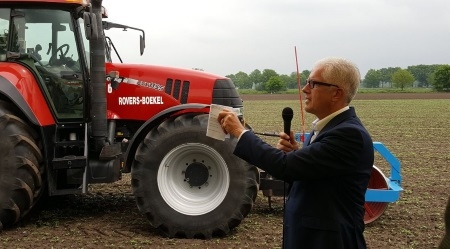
242, 35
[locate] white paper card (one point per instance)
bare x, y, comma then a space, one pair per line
214, 129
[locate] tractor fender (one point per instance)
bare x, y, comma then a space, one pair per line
11, 93
29, 99
155, 121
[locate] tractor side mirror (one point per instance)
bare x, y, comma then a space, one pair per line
142, 44
90, 26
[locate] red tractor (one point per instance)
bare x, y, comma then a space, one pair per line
70, 117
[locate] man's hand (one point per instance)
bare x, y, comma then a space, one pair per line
230, 123
287, 143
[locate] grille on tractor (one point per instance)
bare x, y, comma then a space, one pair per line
224, 93
178, 89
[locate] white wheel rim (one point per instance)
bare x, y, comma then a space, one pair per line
178, 193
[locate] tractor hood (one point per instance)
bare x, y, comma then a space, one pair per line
150, 89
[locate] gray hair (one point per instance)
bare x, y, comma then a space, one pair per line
341, 72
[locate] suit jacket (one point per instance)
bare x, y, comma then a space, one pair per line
325, 207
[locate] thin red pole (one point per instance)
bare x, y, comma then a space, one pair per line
302, 137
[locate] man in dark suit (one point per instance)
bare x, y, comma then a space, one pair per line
330, 174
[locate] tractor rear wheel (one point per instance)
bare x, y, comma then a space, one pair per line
190, 185
20, 162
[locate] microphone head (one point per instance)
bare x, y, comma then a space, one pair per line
287, 114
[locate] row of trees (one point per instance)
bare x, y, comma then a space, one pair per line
436, 76
416, 76
268, 80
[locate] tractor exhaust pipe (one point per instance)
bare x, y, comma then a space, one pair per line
98, 88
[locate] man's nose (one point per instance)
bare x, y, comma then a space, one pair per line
306, 88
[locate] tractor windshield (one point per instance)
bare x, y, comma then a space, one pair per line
46, 40
4, 26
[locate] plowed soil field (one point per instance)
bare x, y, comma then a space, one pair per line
414, 127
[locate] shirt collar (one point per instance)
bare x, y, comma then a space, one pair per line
318, 124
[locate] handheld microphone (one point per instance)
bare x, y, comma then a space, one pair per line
287, 115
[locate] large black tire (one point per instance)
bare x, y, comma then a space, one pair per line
21, 167
190, 185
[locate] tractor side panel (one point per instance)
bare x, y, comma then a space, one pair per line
144, 91
18, 79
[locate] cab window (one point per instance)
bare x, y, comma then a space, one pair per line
49, 39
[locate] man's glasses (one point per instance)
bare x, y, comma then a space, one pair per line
313, 83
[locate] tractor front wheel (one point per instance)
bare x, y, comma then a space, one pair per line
190, 185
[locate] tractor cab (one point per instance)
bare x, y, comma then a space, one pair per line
51, 43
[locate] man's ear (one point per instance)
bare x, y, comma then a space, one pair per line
338, 95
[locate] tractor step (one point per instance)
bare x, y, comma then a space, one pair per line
69, 162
